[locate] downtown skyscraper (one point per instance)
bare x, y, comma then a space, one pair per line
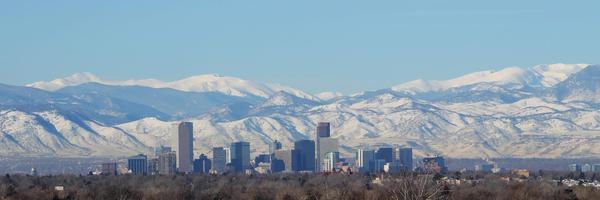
306, 155
385, 153
330, 161
202, 164
219, 159
363, 159
240, 156
185, 147
138, 165
325, 144
406, 158
285, 160
167, 163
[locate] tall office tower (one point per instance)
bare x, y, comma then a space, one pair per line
324, 129
227, 155
153, 166
167, 163
185, 147
331, 160
325, 143
240, 156
377, 165
219, 159
285, 160
202, 164
109, 168
406, 158
138, 164
306, 152
385, 153
363, 158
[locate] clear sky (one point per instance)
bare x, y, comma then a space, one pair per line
323, 45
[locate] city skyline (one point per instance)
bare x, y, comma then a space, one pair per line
270, 99
321, 155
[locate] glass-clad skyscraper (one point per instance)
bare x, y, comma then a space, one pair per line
240, 156
306, 155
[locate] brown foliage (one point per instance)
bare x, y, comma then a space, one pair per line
281, 186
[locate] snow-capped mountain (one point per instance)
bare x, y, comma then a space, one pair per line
174, 103
98, 106
202, 83
538, 76
584, 86
545, 111
326, 96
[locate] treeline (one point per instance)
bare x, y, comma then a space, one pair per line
283, 186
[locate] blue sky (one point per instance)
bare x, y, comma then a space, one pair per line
346, 46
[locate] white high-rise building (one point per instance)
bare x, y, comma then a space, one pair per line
363, 158
330, 161
327, 145
227, 155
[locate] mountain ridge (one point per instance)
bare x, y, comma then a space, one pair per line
200, 83
545, 111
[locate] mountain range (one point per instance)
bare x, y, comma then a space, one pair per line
550, 111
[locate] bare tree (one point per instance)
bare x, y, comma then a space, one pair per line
414, 187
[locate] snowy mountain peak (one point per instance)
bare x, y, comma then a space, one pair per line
75, 79
555, 73
326, 96
538, 76
285, 99
279, 99
200, 83
83, 76
512, 112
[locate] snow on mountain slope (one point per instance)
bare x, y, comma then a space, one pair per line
555, 73
383, 119
75, 79
326, 96
524, 107
584, 86
259, 131
201, 83
50, 133
25, 133
538, 76
489, 116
